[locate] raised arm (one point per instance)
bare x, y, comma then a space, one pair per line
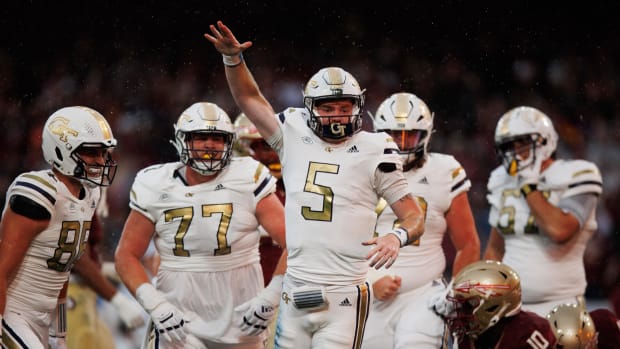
242, 85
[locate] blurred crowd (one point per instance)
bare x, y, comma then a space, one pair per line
142, 91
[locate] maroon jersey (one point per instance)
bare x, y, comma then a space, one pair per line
525, 330
606, 324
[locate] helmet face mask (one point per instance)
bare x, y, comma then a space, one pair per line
331, 87
89, 170
524, 126
483, 293
204, 138
408, 120
519, 152
78, 142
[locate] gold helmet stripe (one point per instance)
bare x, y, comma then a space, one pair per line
103, 124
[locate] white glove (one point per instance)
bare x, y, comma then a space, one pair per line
128, 310
168, 320
57, 343
259, 311
440, 304
531, 174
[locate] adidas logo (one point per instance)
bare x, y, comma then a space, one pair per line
219, 187
353, 149
345, 303
423, 180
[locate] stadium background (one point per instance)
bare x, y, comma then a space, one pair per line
142, 63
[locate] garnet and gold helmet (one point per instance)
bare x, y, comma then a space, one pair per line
573, 327
483, 293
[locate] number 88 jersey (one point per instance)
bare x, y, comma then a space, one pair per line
53, 252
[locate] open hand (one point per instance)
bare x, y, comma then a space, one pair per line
385, 251
224, 40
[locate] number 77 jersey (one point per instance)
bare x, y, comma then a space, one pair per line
205, 227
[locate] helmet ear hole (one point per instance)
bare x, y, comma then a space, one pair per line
58, 154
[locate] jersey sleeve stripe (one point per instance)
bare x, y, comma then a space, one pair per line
456, 172
262, 185
259, 170
41, 191
578, 184
41, 180
134, 204
381, 205
459, 184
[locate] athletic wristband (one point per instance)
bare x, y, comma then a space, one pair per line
232, 61
149, 297
528, 188
402, 235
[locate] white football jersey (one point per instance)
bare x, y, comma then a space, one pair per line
53, 252
548, 270
330, 199
206, 227
435, 185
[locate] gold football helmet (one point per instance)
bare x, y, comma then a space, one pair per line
199, 119
525, 124
483, 293
333, 83
72, 130
408, 120
573, 327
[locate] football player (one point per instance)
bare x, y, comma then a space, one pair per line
542, 210
249, 142
204, 212
484, 301
440, 184
334, 174
46, 225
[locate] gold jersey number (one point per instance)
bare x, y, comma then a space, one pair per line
186, 214
71, 245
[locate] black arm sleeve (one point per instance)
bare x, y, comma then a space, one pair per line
28, 208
